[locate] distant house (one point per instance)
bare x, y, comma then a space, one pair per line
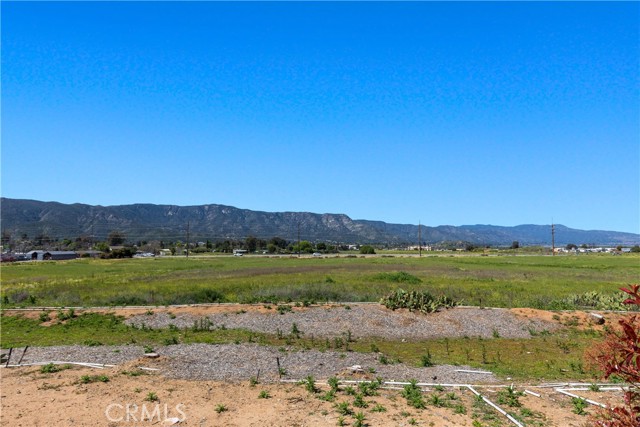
165, 252
51, 255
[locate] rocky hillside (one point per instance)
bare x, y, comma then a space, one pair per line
170, 222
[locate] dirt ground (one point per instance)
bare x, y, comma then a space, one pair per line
32, 398
29, 397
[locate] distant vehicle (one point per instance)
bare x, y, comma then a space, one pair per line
8, 258
238, 254
317, 254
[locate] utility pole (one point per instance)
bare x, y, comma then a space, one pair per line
553, 239
188, 223
419, 239
298, 238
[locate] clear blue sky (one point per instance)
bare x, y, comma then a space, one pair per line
446, 113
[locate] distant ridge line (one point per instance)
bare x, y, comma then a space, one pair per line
144, 221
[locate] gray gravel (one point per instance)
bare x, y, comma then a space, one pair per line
366, 321
239, 362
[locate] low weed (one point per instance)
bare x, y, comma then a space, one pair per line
51, 368
88, 379
579, 406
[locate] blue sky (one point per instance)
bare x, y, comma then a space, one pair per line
445, 113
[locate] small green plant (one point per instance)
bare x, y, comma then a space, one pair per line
220, 408
436, 400
378, 408
253, 381
425, 360
341, 421
50, 368
496, 334
295, 331
438, 387
459, 409
148, 349
359, 419
284, 308
413, 394
329, 396
69, 314
509, 396
369, 388
87, 379
44, 316
579, 405
171, 341
334, 383
152, 397
349, 390
359, 402
594, 387
343, 408
412, 421
310, 384
264, 394
136, 373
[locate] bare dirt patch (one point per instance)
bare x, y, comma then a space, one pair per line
31, 398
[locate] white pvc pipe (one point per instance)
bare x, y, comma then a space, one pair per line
496, 407
532, 393
473, 372
90, 365
559, 390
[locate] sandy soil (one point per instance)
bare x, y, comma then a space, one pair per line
31, 398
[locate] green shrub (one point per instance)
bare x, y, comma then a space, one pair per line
414, 300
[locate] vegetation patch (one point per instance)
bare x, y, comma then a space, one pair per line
418, 301
398, 277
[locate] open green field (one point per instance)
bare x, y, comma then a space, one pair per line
498, 281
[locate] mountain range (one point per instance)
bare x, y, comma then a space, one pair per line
169, 222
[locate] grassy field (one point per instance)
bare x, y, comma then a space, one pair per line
498, 281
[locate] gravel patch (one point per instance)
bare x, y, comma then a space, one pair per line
239, 362
365, 321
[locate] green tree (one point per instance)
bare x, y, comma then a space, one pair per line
251, 243
571, 246
367, 250
635, 249
102, 247
116, 238
278, 242
304, 247
515, 244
